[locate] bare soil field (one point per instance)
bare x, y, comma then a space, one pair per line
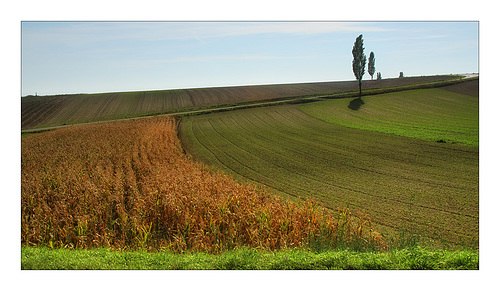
467, 88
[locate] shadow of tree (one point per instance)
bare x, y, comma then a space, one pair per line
355, 104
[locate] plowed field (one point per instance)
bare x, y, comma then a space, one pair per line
427, 187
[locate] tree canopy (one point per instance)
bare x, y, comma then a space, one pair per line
371, 64
359, 60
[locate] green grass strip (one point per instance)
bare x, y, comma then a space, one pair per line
418, 258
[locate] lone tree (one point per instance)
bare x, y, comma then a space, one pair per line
371, 64
359, 61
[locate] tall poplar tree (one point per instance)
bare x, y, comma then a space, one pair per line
359, 60
371, 64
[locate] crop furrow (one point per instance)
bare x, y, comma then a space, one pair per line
367, 168
246, 134
309, 177
217, 153
256, 171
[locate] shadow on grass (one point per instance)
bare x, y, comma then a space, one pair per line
355, 104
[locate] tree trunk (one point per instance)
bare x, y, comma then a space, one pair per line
359, 81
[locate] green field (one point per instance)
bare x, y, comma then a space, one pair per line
407, 160
430, 114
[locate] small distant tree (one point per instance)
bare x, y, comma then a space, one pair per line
359, 60
379, 76
371, 64
401, 75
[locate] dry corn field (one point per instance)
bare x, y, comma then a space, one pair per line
128, 184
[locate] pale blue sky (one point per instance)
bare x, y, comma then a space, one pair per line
87, 57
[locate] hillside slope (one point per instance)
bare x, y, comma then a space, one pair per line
404, 183
42, 111
437, 114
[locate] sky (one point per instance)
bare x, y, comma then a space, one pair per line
67, 57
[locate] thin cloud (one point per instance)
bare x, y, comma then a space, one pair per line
155, 62
239, 29
77, 33
406, 38
231, 58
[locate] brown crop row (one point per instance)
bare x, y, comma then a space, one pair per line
128, 184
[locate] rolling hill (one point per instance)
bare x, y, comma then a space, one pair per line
381, 159
44, 111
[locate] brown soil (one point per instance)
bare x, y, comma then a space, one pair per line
470, 88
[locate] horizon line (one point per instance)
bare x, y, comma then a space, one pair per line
228, 86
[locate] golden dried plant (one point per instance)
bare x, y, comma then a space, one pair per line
128, 184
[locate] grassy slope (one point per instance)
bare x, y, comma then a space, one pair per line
430, 114
69, 109
402, 183
248, 259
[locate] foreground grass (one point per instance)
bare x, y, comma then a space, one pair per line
248, 259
